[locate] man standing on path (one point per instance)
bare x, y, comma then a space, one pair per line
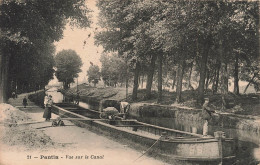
24, 101
47, 111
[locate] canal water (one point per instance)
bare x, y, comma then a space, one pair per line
248, 142
56, 96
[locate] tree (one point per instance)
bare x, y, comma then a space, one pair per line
20, 30
113, 70
200, 36
68, 64
115, 37
125, 31
93, 74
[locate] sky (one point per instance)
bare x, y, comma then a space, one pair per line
73, 38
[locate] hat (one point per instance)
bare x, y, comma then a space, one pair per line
50, 95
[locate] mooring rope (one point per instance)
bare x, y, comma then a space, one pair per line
148, 149
9, 123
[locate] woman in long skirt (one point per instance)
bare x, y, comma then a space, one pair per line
47, 111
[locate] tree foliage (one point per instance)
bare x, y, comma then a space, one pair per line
113, 70
207, 35
93, 74
68, 64
30, 27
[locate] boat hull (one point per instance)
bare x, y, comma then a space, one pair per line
190, 150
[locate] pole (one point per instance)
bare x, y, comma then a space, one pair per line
77, 85
126, 85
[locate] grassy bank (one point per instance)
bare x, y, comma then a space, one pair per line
247, 104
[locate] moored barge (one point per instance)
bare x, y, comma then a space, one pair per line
174, 146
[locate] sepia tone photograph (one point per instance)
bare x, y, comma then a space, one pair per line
129, 82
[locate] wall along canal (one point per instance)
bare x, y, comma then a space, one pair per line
248, 142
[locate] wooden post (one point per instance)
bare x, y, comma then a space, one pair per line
219, 135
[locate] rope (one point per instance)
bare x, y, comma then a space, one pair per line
148, 149
34, 122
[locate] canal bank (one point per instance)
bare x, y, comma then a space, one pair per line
225, 120
233, 118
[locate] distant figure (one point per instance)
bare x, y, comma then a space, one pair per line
124, 108
77, 99
206, 115
47, 111
46, 98
24, 102
71, 99
13, 95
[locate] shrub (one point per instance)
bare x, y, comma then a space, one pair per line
37, 98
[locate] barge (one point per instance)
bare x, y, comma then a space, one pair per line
173, 146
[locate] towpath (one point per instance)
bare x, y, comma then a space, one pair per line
90, 148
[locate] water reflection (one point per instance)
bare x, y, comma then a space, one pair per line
56, 96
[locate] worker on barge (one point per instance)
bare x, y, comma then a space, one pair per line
206, 115
114, 108
124, 108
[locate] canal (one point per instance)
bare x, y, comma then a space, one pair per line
248, 142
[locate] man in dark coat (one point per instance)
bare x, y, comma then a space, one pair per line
24, 101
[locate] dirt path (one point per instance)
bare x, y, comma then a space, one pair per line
67, 143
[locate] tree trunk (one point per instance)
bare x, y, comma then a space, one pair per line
249, 83
179, 81
160, 79
136, 76
2, 78
203, 69
142, 83
207, 81
174, 80
215, 89
223, 76
4, 64
150, 77
189, 79
214, 80
126, 83
139, 80
236, 79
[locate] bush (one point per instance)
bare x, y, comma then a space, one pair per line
37, 98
